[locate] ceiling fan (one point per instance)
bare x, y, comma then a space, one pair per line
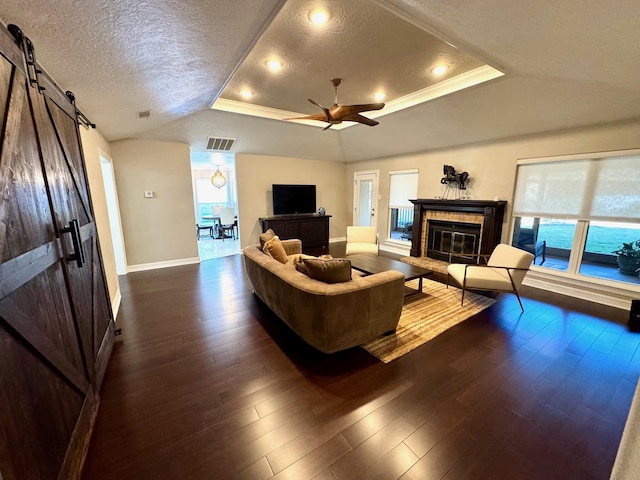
341, 113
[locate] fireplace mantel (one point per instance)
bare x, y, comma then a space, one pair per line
491, 212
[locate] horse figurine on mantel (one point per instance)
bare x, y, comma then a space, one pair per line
450, 178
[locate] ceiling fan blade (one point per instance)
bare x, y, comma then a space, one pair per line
360, 119
316, 103
365, 107
321, 117
325, 110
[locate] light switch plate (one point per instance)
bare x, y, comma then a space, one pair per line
148, 194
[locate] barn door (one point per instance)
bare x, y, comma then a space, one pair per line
64, 171
55, 318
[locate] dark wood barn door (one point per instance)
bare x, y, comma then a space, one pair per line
55, 318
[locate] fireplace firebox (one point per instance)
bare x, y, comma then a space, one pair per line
454, 242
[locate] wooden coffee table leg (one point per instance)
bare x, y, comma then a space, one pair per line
411, 291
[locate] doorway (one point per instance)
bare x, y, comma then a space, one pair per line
113, 212
365, 198
215, 198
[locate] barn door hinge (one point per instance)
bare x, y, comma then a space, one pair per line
29, 53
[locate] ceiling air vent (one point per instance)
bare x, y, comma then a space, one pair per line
220, 144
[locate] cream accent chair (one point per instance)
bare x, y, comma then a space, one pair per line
362, 240
504, 272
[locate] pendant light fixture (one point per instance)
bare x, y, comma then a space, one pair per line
218, 180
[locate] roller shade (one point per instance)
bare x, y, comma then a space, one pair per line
586, 189
402, 187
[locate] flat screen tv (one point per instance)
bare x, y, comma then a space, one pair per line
292, 199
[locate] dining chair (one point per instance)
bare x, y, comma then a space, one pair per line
228, 222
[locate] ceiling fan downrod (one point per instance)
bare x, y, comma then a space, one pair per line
336, 83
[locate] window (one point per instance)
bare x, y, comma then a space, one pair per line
403, 185
573, 213
208, 200
207, 193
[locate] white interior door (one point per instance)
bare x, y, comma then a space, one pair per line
365, 198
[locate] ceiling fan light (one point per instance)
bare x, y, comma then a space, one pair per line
318, 16
218, 180
439, 70
379, 96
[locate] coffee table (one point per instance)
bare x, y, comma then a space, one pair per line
369, 264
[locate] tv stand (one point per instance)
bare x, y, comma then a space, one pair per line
311, 228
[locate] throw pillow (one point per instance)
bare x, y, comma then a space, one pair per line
298, 263
275, 250
336, 270
265, 237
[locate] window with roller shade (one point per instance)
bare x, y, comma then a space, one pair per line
403, 185
573, 213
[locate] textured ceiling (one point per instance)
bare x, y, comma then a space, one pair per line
366, 45
119, 57
566, 64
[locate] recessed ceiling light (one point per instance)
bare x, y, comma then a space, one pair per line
379, 96
246, 93
318, 16
273, 64
439, 70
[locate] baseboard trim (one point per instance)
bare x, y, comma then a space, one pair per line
337, 239
617, 296
171, 263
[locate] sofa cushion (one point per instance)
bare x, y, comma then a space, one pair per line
265, 237
335, 270
275, 250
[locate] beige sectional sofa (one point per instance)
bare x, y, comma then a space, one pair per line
330, 317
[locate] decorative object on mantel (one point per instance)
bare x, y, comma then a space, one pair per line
452, 179
321, 211
218, 180
425, 316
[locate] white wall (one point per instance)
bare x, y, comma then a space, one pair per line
93, 144
492, 166
158, 231
256, 174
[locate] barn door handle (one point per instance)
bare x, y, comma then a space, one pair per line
74, 229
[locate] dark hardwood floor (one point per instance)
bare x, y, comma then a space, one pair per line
207, 383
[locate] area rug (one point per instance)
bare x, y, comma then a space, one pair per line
425, 316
